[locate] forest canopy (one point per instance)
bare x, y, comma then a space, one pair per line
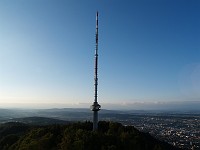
77, 136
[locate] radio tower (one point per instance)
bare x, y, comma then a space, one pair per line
95, 107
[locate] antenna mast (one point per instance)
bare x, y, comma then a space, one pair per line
95, 107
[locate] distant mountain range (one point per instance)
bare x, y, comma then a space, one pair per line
65, 115
186, 105
81, 114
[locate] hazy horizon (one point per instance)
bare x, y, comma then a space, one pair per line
174, 106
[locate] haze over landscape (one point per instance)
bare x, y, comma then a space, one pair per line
149, 54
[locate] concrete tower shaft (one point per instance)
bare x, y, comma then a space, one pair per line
96, 107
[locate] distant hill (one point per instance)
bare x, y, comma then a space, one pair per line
76, 136
80, 114
39, 121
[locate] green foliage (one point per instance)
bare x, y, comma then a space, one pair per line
10, 133
8, 140
79, 136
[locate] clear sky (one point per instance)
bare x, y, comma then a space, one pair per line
149, 51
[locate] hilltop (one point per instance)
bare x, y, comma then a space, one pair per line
76, 136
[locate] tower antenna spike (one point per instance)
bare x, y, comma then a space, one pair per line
95, 106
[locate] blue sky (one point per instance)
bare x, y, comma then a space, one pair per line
149, 51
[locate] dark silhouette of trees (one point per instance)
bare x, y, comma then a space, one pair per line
78, 136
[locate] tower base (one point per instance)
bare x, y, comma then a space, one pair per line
95, 108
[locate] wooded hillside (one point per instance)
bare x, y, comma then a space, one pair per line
77, 136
